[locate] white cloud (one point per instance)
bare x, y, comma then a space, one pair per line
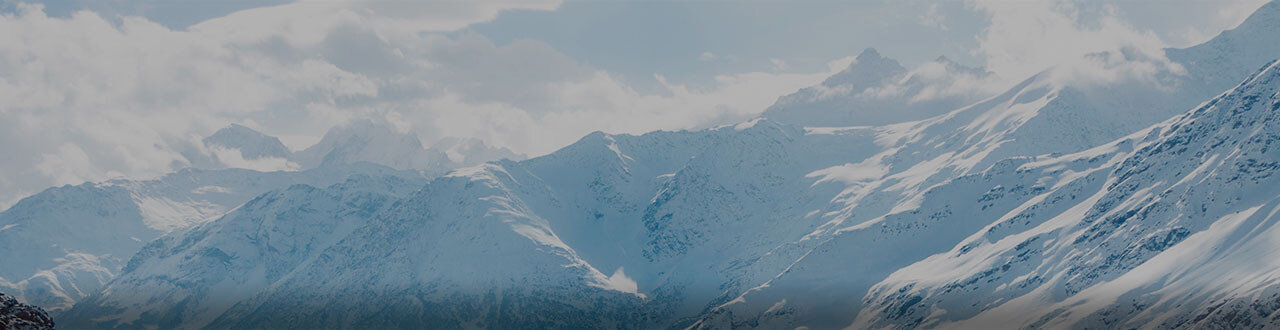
934, 18
85, 99
308, 22
233, 158
778, 64
1028, 37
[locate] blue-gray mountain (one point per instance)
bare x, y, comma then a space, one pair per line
1138, 202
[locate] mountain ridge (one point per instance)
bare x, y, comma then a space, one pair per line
1043, 196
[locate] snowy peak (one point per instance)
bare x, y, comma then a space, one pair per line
875, 90
251, 144
869, 69
472, 151
369, 141
377, 142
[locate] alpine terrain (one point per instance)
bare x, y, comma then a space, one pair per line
883, 197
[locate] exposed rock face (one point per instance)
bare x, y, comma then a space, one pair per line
18, 316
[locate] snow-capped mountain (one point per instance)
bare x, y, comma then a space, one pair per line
472, 151
250, 143
380, 143
220, 262
365, 140
1175, 228
66, 242
377, 142
580, 227
106, 223
1039, 114
875, 90
237, 146
1059, 202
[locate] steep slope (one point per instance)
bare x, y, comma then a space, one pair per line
190, 277
1044, 114
462, 252
1176, 237
66, 242
1206, 179
999, 248
18, 316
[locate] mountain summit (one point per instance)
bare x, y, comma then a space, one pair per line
250, 143
875, 90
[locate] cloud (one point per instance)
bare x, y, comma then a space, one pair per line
933, 18
231, 157
83, 98
779, 64
1024, 38
308, 22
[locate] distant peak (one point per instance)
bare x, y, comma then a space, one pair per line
237, 129
868, 69
869, 54
251, 143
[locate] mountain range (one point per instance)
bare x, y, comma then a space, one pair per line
73, 239
881, 198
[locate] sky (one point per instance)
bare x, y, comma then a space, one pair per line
93, 90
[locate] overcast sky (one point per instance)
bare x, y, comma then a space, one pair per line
97, 89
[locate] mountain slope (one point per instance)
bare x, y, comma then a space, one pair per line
17, 316
201, 271
1061, 226
772, 224
1044, 114
1146, 250
68, 241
